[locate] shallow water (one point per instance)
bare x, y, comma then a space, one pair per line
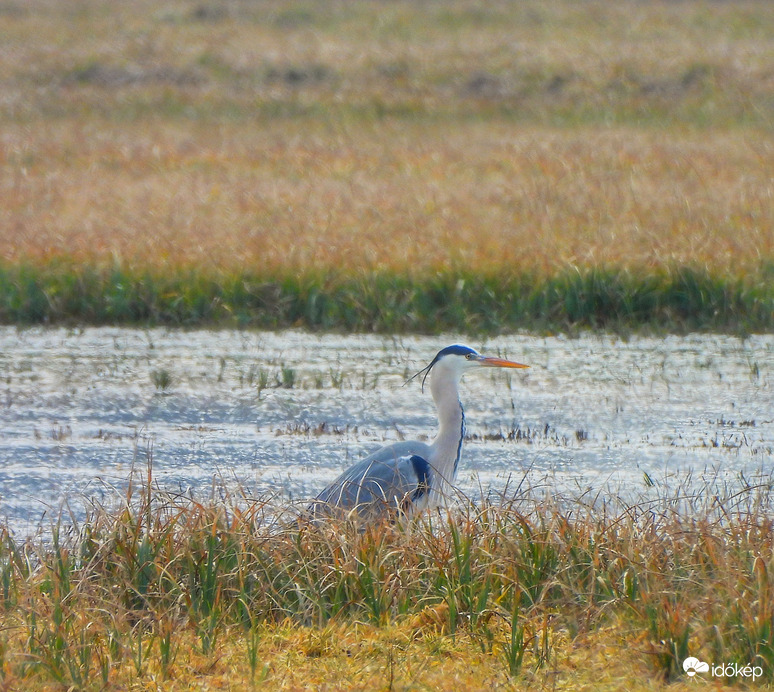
79, 408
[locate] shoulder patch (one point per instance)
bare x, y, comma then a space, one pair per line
422, 471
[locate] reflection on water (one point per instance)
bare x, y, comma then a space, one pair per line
269, 412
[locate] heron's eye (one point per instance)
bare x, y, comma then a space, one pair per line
469, 356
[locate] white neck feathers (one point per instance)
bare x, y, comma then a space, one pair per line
447, 445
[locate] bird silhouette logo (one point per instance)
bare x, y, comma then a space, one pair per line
692, 665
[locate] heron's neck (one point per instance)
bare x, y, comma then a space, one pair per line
447, 444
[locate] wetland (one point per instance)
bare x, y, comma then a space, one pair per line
250, 414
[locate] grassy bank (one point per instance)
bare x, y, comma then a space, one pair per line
225, 155
517, 593
678, 300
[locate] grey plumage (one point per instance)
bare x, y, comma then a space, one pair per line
407, 477
389, 480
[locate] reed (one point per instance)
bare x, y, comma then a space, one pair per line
679, 300
289, 199
164, 586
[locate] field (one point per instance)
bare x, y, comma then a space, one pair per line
402, 166
360, 166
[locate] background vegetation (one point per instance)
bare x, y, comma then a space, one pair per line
555, 162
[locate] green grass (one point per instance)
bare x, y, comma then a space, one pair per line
680, 300
167, 587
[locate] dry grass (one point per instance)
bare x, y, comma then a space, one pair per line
529, 592
410, 137
395, 197
364, 657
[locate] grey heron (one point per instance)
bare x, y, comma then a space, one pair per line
409, 476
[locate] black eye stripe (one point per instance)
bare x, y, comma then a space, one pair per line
455, 349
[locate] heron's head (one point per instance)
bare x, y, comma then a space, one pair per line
458, 359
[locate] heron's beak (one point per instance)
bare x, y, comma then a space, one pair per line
500, 363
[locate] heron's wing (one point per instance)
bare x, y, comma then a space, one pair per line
392, 479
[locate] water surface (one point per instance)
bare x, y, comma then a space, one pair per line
258, 412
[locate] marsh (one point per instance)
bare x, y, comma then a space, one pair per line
256, 413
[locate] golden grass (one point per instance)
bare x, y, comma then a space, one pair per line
409, 137
404, 198
397, 657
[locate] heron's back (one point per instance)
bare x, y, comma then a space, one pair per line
387, 480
